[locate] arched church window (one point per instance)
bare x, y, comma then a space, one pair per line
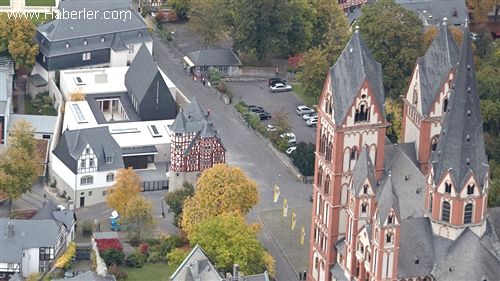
328, 154
365, 189
320, 177
390, 219
447, 187
470, 189
445, 105
364, 208
362, 113
431, 198
445, 213
434, 142
327, 185
468, 213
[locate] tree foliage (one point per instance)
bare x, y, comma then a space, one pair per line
220, 189
21, 136
176, 257
77, 94
138, 217
303, 158
16, 40
179, 6
394, 113
127, 186
480, 9
395, 38
315, 67
237, 243
330, 26
175, 200
207, 19
300, 34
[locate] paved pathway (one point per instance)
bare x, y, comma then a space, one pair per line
19, 93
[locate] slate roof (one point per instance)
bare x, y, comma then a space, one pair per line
37, 80
37, 233
440, 9
90, 276
355, 65
49, 212
434, 67
141, 73
338, 272
43, 124
386, 199
214, 57
77, 5
16, 277
195, 265
363, 169
491, 237
460, 149
339, 245
72, 143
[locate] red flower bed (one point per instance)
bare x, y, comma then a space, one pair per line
103, 244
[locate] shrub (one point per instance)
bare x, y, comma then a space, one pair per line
93, 258
213, 76
65, 261
241, 107
175, 241
87, 228
155, 257
175, 258
144, 248
172, 16
47, 100
36, 103
281, 144
160, 16
119, 273
303, 158
230, 96
152, 241
136, 259
34, 276
222, 87
104, 244
134, 241
49, 277
112, 256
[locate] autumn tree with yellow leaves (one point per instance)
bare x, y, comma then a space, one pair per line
138, 217
127, 186
77, 94
220, 190
16, 40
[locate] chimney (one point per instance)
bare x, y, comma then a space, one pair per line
236, 269
240, 276
10, 229
101, 78
229, 277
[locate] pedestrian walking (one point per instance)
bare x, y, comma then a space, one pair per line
305, 274
277, 71
203, 80
300, 275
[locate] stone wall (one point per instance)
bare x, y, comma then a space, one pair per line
101, 268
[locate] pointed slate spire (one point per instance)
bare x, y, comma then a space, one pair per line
387, 200
362, 170
461, 143
355, 64
179, 125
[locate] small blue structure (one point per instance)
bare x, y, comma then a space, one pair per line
114, 221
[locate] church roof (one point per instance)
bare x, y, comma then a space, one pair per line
363, 169
386, 200
435, 66
460, 149
355, 65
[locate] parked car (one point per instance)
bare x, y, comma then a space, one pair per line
290, 150
278, 87
256, 109
309, 116
264, 115
302, 109
270, 128
276, 80
313, 122
289, 136
69, 274
80, 272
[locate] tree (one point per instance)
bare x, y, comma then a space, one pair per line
228, 239
175, 200
483, 40
127, 186
314, 69
395, 38
220, 189
330, 26
431, 33
138, 217
480, 9
77, 94
303, 158
21, 136
300, 34
394, 113
179, 6
206, 18
260, 26
176, 257
16, 40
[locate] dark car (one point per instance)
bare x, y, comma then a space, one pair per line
80, 272
256, 109
265, 115
275, 80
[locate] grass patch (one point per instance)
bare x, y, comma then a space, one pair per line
30, 110
308, 100
40, 3
38, 18
5, 3
150, 271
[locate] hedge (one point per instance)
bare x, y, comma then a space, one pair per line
65, 261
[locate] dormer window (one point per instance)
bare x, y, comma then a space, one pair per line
102, 39
109, 159
447, 187
390, 219
470, 189
139, 34
455, 14
67, 44
365, 189
87, 150
85, 42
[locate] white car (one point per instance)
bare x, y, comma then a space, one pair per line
290, 150
270, 128
280, 87
309, 116
301, 110
313, 122
289, 136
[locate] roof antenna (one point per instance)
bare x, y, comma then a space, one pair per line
444, 21
466, 22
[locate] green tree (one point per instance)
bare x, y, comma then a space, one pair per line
176, 257
395, 38
394, 112
175, 200
282, 123
237, 243
127, 186
303, 158
21, 136
179, 6
330, 26
16, 40
220, 189
260, 26
480, 9
314, 69
138, 217
206, 18
488, 82
300, 34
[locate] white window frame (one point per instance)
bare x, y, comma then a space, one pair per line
87, 56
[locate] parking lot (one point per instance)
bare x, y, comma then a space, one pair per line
257, 93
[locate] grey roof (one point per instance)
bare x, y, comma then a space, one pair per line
417, 242
353, 16
16, 277
117, 44
194, 266
27, 234
460, 149
80, 27
338, 272
37, 80
386, 199
491, 237
435, 66
362, 170
138, 150
439, 10
77, 5
43, 124
355, 65
340, 246
214, 57
141, 73
90, 276
49, 211
73, 142
467, 259
6, 65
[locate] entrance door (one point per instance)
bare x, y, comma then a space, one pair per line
82, 201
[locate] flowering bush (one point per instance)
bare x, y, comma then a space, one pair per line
144, 248
103, 244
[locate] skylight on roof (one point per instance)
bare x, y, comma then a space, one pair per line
154, 131
79, 81
78, 113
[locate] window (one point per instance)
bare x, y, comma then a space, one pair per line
192, 161
177, 175
44, 254
109, 159
470, 189
91, 163
328, 154
365, 189
102, 39
322, 144
43, 58
85, 42
131, 49
320, 177
67, 44
46, 137
354, 154
431, 197
390, 219
362, 113
445, 105
224, 70
110, 177
139, 34
447, 187
86, 56
90, 193
445, 214
87, 150
82, 164
389, 238
364, 208
178, 134
434, 143
415, 95
104, 193
87, 180
468, 213
217, 157
327, 185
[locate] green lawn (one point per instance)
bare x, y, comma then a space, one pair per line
309, 101
40, 3
157, 272
4, 2
30, 110
41, 17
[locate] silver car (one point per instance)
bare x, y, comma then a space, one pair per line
279, 87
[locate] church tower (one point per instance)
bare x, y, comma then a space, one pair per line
351, 115
428, 95
458, 177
